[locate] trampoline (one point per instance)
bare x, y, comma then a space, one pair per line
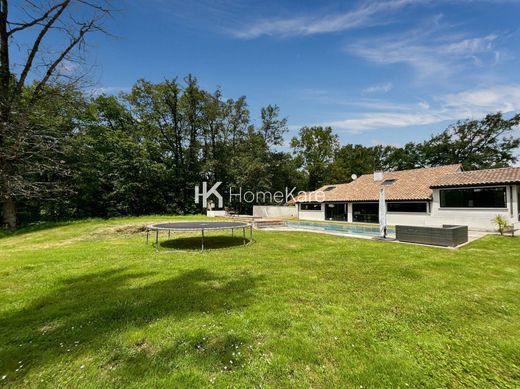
201, 226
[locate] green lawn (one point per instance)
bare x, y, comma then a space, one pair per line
88, 304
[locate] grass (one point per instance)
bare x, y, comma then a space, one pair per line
88, 304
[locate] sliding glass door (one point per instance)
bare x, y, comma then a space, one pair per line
336, 211
365, 212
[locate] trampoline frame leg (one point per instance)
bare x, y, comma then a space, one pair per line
147, 233
202, 240
157, 240
244, 231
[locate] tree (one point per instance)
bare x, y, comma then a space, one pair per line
41, 173
69, 22
477, 144
115, 172
273, 128
351, 159
315, 147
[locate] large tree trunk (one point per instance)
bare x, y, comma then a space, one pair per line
9, 213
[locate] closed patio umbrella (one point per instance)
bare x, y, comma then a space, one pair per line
382, 212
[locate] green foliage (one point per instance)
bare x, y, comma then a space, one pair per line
501, 223
315, 148
477, 144
488, 143
144, 151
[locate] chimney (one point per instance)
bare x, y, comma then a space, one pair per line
378, 175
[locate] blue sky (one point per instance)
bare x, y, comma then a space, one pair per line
377, 72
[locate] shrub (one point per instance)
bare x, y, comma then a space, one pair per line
501, 223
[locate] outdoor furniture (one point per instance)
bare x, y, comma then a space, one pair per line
447, 235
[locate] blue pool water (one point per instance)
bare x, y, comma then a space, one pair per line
339, 228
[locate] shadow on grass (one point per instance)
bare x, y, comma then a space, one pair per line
210, 242
32, 228
84, 313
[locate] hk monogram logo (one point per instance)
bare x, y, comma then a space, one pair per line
206, 194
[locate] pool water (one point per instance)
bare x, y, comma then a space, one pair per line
339, 228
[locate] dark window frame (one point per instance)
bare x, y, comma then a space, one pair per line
336, 211
473, 197
372, 216
404, 204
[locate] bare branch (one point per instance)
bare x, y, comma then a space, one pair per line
36, 45
37, 21
5, 72
52, 67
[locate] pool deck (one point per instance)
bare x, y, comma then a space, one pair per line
472, 236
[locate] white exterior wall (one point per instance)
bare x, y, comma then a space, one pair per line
311, 215
407, 218
474, 218
275, 211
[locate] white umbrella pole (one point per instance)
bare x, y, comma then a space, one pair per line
382, 213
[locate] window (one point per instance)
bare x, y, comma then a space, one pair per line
310, 207
474, 198
328, 188
406, 207
365, 212
389, 181
336, 211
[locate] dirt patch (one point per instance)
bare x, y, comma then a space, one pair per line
50, 327
126, 229
143, 346
131, 229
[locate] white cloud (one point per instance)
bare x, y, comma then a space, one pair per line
319, 96
382, 120
430, 51
463, 105
365, 15
423, 104
382, 88
108, 90
504, 98
67, 67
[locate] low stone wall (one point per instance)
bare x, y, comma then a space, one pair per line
275, 211
216, 213
447, 235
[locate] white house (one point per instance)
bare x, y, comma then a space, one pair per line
428, 196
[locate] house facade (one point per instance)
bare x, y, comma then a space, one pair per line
426, 196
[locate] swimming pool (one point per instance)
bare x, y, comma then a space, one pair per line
339, 228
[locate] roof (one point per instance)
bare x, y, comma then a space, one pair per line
507, 175
411, 184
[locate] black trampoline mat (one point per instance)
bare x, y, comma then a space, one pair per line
197, 226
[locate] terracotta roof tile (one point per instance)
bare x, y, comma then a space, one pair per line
508, 175
411, 184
